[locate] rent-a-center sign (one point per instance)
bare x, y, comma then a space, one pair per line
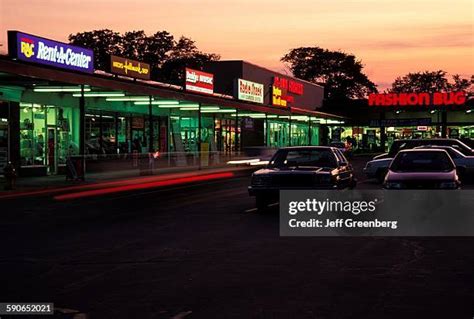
30, 48
418, 99
199, 82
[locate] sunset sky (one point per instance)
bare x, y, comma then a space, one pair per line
390, 37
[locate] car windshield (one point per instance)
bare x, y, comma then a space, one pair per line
304, 157
421, 161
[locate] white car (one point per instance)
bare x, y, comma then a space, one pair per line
464, 163
377, 168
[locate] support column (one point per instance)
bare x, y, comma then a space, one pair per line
199, 136
309, 130
116, 132
383, 134
266, 130
82, 127
444, 124
150, 125
236, 130
101, 132
289, 130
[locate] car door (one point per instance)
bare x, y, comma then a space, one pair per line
345, 169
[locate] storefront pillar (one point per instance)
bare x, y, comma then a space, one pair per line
13, 151
82, 126
266, 130
236, 130
199, 136
289, 130
116, 129
150, 125
383, 133
309, 131
444, 124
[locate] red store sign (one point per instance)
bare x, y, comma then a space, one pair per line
418, 99
199, 82
280, 89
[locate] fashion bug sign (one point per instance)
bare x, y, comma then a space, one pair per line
249, 91
30, 48
199, 82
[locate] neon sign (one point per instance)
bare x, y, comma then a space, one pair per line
280, 89
418, 99
131, 68
30, 48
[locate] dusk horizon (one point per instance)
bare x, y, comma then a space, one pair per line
390, 42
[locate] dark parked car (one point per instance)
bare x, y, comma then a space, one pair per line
408, 144
309, 167
422, 169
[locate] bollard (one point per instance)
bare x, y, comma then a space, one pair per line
10, 176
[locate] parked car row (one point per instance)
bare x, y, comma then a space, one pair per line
459, 153
409, 164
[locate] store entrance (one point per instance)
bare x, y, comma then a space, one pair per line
51, 149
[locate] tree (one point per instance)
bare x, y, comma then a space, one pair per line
104, 43
431, 81
340, 73
166, 56
184, 54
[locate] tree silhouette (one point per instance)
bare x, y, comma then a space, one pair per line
340, 73
166, 56
431, 81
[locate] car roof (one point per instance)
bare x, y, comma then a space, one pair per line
434, 146
306, 147
426, 139
414, 150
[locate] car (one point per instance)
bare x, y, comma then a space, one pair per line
398, 145
339, 145
305, 167
378, 166
464, 164
422, 169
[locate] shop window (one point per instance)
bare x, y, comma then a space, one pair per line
32, 134
46, 135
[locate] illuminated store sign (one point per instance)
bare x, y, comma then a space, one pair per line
198, 81
131, 68
30, 48
280, 89
417, 99
250, 91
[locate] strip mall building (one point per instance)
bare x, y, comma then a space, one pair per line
54, 104
377, 121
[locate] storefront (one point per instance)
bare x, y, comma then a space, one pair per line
50, 111
375, 123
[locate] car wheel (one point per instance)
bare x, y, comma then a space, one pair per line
380, 175
261, 203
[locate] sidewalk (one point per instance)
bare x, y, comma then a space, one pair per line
58, 183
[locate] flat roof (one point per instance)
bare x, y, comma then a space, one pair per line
142, 87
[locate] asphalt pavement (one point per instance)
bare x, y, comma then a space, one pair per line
201, 250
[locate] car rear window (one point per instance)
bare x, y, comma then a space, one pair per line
313, 158
422, 161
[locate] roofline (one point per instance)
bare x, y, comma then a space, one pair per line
106, 80
270, 70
